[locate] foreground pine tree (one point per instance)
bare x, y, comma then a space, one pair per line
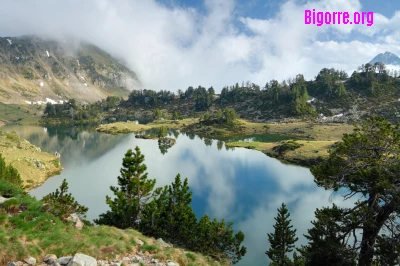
282, 240
133, 193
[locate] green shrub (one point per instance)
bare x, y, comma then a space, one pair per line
62, 204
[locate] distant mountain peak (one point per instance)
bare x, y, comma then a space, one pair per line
387, 58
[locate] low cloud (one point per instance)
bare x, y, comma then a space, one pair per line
175, 47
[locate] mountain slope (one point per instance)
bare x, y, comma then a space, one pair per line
387, 58
32, 68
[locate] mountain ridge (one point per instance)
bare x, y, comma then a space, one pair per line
386, 58
34, 68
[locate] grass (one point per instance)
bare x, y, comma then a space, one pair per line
314, 139
128, 127
33, 165
36, 233
21, 114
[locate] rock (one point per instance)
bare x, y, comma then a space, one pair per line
50, 258
139, 242
17, 263
2, 200
102, 263
55, 263
78, 224
162, 243
82, 260
30, 260
171, 263
64, 260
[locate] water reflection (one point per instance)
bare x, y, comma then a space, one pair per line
240, 185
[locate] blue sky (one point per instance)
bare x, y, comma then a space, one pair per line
174, 44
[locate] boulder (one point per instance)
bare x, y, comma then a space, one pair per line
162, 243
2, 200
139, 242
171, 263
30, 260
50, 258
82, 260
16, 263
78, 224
64, 260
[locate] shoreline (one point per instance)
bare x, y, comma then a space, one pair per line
314, 139
34, 166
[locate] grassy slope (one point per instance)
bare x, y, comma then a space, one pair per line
26, 157
36, 233
21, 114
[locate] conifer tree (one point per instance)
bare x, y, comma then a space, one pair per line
61, 203
282, 240
132, 195
170, 216
326, 244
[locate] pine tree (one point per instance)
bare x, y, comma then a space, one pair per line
170, 216
132, 195
326, 242
61, 203
175, 116
282, 240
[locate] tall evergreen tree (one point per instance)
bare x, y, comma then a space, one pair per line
132, 195
282, 240
367, 164
170, 215
326, 244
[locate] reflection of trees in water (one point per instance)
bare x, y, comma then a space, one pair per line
220, 144
163, 148
208, 142
70, 142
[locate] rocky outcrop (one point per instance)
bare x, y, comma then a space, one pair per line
84, 260
78, 224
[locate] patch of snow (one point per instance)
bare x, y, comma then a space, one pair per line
48, 100
28, 102
85, 84
48, 55
17, 57
78, 62
339, 115
9, 41
310, 101
41, 84
82, 78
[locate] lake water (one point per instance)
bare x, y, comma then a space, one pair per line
240, 185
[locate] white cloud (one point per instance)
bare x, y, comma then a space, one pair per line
173, 48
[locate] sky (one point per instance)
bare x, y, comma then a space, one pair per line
174, 44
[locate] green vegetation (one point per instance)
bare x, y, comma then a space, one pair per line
62, 204
166, 212
8, 173
366, 164
32, 227
31, 163
282, 240
131, 196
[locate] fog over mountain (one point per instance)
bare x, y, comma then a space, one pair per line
174, 46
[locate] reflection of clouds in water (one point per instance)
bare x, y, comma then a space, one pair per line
243, 186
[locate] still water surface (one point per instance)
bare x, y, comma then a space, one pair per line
240, 185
